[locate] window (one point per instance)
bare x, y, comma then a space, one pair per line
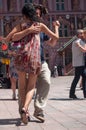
84, 23
28, 1
75, 4
63, 31
1, 5
59, 5
11, 5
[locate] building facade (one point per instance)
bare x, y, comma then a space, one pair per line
70, 13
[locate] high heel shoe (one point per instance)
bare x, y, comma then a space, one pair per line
28, 116
24, 116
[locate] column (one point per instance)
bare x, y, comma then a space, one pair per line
50, 22
2, 26
64, 69
75, 22
18, 5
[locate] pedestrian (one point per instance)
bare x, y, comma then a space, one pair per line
78, 49
13, 77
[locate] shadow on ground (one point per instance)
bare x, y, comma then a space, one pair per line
66, 99
16, 121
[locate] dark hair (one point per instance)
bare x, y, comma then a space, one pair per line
29, 11
42, 9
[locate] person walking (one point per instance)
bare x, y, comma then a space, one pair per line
78, 49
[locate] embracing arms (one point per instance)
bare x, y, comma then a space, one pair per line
37, 29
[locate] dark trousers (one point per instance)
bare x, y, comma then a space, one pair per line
79, 71
84, 82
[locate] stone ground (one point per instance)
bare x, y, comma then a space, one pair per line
61, 113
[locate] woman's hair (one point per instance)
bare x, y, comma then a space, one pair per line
42, 9
30, 12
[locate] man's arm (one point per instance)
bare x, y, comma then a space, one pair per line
82, 48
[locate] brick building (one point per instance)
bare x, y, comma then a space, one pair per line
70, 13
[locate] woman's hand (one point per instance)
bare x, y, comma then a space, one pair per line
56, 23
35, 28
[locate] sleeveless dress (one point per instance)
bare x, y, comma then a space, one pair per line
27, 57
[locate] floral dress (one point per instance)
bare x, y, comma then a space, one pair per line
27, 56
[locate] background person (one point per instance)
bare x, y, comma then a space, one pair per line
78, 50
13, 77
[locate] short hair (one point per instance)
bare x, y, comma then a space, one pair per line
30, 12
79, 31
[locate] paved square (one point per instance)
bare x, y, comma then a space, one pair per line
61, 113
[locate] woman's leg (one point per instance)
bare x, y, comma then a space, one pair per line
13, 86
30, 89
21, 89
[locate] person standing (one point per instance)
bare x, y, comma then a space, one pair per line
78, 49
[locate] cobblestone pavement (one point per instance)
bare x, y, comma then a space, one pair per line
61, 113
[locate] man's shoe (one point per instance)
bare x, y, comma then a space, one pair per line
39, 116
73, 96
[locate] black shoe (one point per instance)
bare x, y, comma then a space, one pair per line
73, 96
39, 116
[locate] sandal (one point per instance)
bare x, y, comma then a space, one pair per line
24, 116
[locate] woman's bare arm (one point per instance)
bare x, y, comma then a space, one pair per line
51, 41
21, 34
47, 31
9, 36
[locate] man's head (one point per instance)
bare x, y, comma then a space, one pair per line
40, 10
80, 33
